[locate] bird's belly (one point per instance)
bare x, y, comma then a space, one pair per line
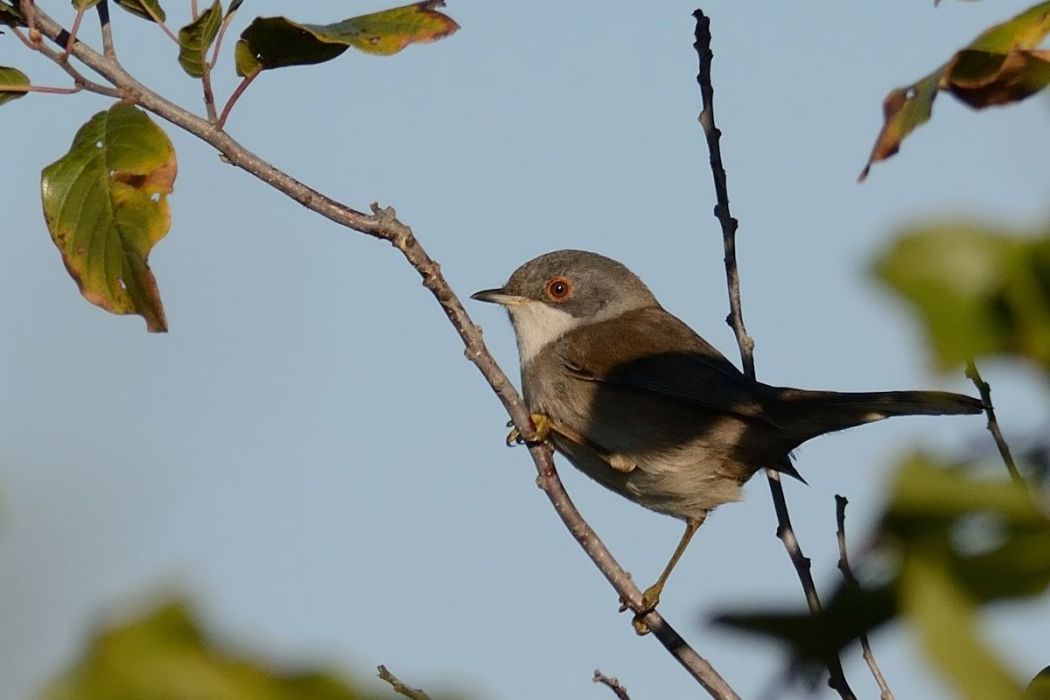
684, 484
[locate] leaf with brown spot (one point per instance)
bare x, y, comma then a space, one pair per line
105, 203
1000, 66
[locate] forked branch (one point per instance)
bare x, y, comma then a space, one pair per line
383, 224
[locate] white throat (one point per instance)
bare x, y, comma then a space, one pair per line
537, 325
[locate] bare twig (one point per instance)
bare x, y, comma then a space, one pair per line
399, 687
785, 531
985, 389
193, 9
383, 224
851, 580
612, 683
218, 39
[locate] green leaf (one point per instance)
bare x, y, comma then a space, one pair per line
11, 77
11, 16
85, 4
943, 615
166, 654
196, 38
999, 67
1039, 688
144, 8
977, 291
105, 203
276, 42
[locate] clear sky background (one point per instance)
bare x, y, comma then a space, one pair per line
307, 454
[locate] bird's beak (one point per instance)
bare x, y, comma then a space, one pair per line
498, 296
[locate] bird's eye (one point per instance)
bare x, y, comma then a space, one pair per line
559, 289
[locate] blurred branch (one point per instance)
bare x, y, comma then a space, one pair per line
746, 343
847, 573
383, 224
985, 389
612, 683
399, 687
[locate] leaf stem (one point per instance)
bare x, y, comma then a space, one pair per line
159, 22
236, 95
73, 32
40, 88
106, 27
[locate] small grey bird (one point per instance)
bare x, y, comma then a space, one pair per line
646, 407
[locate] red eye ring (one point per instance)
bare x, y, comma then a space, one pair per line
559, 289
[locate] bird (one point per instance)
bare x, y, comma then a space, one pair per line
640, 403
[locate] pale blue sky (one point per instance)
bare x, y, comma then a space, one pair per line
307, 453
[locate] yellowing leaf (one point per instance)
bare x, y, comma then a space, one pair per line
999, 67
12, 77
196, 38
275, 42
146, 9
105, 203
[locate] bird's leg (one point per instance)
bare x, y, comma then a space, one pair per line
651, 596
542, 427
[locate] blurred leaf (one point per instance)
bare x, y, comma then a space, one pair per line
234, 6
105, 203
978, 292
1039, 688
85, 4
276, 42
11, 77
142, 8
10, 15
943, 616
998, 67
166, 656
196, 38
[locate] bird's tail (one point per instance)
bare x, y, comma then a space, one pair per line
806, 414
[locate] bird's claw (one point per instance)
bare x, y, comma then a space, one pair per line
541, 425
650, 599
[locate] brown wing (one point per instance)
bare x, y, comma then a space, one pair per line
651, 351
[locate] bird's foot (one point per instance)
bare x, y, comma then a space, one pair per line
650, 599
541, 425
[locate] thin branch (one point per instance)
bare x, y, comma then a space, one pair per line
612, 683
236, 95
745, 342
193, 9
384, 225
399, 687
985, 389
847, 573
106, 27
